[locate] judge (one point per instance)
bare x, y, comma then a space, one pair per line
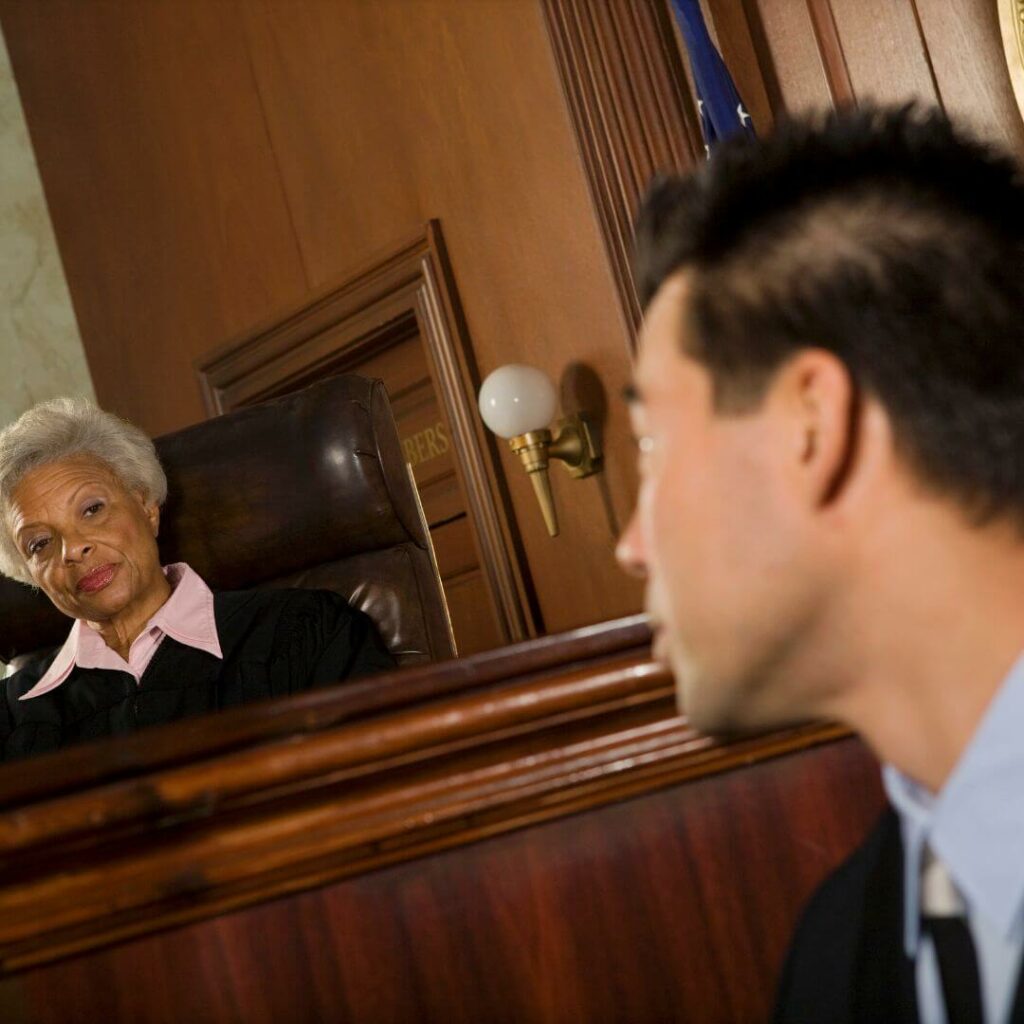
80, 497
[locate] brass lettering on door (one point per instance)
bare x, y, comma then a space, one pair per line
424, 445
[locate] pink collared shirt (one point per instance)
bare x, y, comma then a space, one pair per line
187, 616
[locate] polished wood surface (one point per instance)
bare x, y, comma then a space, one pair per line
399, 319
531, 834
631, 108
619, 63
210, 165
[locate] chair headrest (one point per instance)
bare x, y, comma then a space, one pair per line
269, 490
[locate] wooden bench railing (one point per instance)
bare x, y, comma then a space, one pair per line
343, 791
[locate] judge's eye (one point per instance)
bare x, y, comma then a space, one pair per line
37, 545
91, 510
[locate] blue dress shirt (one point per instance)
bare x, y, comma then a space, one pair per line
975, 826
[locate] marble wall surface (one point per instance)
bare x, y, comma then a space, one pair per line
41, 354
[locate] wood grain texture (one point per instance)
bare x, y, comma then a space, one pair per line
970, 68
162, 184
387, 114
830, 49
199, 825
210, 163
654, 909
883, 51
405, 305
794, 53
631, 110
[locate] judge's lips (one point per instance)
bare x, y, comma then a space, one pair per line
96, 579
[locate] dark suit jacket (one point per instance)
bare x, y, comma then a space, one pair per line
274, 642
847, 963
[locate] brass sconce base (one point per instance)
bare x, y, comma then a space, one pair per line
576, 446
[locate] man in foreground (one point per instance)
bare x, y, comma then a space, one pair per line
829, 405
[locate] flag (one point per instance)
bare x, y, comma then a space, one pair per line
722, 111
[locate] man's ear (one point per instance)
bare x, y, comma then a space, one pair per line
819, 400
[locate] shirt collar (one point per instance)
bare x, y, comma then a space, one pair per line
973, 823
187, 616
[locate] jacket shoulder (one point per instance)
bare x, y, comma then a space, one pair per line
818, 977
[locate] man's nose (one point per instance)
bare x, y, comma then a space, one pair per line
629, 552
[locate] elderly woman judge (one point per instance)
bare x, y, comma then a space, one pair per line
80, 497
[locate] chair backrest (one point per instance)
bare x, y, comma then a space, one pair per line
308, 490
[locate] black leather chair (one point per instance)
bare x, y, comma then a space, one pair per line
309, 490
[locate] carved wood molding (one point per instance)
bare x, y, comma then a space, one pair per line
631, 111
410, 290
192, 838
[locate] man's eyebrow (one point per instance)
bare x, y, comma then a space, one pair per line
631, 394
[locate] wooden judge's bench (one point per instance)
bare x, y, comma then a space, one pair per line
530, 834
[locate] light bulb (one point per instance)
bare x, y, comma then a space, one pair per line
516, 399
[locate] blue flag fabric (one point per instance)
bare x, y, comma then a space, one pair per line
722, 111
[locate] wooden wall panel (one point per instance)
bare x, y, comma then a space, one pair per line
162, 185
209, 164
453, 110
647, 911
794, 53
822, 52
884, 51
970, 68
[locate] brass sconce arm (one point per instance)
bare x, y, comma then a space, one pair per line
575, 445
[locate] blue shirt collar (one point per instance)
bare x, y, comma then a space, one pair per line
974, 823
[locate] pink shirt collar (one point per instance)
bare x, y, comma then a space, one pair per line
187, 616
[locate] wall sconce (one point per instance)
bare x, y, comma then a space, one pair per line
518, 402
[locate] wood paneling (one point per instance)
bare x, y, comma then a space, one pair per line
452, 110
649, 911
531, 834
841, 51
400, 319
208, 164
162, 183
970, 67
627, 94
784, 55
883, 50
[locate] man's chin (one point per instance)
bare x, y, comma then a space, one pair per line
710, 708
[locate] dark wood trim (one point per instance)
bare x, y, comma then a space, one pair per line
631, 112
164, 747
830, 49
410, 289
508, 745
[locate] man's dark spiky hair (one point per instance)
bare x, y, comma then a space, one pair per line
886, 236
746, 182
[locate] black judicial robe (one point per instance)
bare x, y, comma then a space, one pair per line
847, 963
274, 642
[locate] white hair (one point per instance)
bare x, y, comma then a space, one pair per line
62, 428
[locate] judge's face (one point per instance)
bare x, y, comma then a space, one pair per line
715, 535
89, 544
